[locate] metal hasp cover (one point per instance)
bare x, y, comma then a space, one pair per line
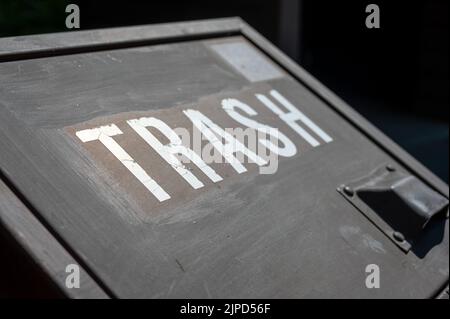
398, 203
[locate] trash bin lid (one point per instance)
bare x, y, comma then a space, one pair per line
125, 145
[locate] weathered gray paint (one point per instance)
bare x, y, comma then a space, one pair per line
45, 250
285, 235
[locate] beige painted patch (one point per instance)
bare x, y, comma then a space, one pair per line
180, 192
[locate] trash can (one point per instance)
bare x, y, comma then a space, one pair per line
195, 160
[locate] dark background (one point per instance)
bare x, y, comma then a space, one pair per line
396, 76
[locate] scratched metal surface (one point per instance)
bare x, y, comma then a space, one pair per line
290, 234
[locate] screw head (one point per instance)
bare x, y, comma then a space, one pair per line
348, 191
390, 168
398, 236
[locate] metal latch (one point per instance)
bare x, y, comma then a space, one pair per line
399, 204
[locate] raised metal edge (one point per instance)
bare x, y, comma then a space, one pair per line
43, 248
443, 294
64, 43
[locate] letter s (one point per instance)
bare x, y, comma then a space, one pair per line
230, 106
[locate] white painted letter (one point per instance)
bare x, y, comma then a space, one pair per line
167, 152
292, 116
231, 146
103, 134
289, 149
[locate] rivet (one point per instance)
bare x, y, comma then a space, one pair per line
349, 191
399, 236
